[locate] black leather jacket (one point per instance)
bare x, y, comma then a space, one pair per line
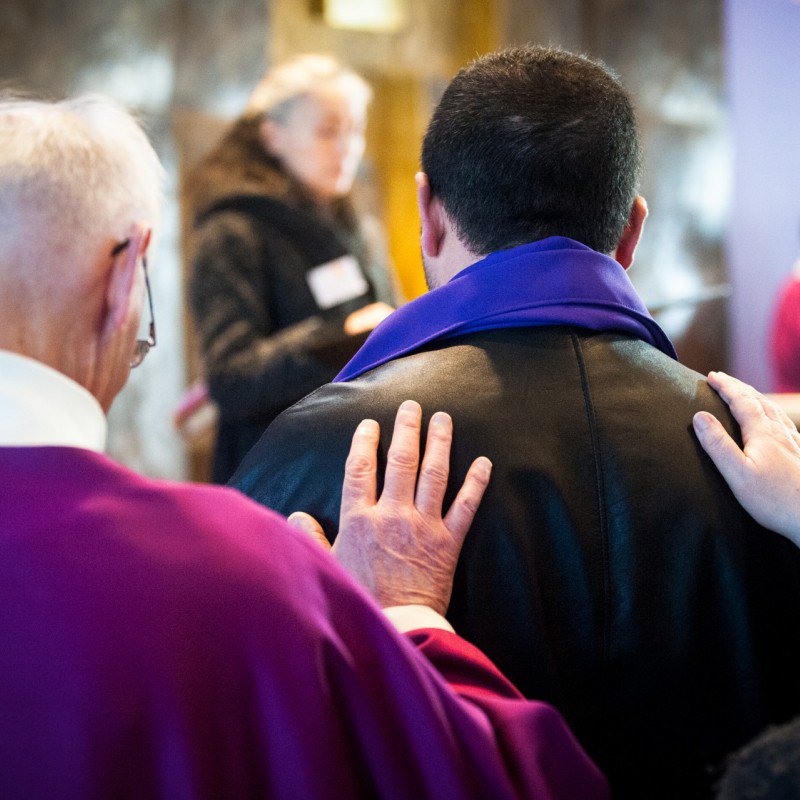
609, 571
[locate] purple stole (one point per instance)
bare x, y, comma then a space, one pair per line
554, 281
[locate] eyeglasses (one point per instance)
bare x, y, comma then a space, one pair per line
143, 346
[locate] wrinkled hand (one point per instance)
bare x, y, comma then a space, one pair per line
366, 318
399, 546
765, 476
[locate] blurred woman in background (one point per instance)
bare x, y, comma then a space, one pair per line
284, 286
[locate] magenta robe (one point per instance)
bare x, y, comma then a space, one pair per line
161, 640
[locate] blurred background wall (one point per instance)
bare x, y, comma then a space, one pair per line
763, 76
187, 66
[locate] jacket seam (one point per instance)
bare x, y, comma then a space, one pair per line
600, 489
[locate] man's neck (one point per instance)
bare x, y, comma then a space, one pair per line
448, 264
65, 352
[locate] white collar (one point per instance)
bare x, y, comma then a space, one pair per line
40, 407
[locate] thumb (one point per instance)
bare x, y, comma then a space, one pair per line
721, 449
306, 523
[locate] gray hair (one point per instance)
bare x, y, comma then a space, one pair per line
283, 85
72, 173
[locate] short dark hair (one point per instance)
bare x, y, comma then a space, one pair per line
531, 142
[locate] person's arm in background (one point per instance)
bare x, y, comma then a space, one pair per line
403, 548
253, 369
764, 475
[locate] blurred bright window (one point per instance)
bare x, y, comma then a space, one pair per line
366, 15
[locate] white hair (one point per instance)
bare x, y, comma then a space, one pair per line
72, 174
283, 85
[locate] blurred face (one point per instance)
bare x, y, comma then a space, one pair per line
321, 141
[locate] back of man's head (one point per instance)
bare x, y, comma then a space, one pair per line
72, 174
533, 142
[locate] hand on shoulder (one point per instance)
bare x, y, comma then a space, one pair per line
764, 475
401, 545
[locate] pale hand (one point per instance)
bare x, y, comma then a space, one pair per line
765, 476
400, 546
366, 318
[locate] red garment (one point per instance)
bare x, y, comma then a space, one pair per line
785, 338
176, 641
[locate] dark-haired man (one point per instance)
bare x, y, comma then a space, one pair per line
609, 569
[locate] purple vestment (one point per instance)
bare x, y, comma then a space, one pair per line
178, 641
554, 281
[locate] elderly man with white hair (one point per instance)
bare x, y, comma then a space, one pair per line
166, 640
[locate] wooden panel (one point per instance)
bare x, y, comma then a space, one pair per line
397, 121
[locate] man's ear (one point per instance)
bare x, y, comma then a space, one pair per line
122, 279
431, 217
626, 249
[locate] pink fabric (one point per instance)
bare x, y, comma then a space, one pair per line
785, 338
178, 641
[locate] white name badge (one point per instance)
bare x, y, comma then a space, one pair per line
336, 282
